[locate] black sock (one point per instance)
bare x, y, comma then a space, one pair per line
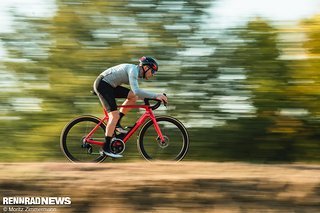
121, 115
106, 145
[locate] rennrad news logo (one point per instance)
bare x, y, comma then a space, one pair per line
36, 201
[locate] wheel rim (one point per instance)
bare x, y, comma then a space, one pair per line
175, 144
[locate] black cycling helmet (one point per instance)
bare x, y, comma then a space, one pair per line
151, 62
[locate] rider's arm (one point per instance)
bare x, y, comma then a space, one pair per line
133, 81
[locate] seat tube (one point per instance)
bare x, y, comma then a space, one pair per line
95, 128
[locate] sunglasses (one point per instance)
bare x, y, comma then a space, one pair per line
153, 72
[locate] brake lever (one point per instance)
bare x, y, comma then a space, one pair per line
165, 103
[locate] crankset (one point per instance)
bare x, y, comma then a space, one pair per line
117, 146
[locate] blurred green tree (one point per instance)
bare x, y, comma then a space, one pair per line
234, 90
282, 128
263, 136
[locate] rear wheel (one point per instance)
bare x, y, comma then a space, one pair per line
176, 140
72, 140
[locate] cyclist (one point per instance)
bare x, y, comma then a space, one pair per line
108, 87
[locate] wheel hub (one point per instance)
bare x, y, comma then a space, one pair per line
163, 144
86, 145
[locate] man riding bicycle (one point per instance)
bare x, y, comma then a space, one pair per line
108, 87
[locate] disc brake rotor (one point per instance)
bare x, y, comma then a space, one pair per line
163, 144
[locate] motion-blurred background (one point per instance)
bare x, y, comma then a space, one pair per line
243, 76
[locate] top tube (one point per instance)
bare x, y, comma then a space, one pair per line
146, 106
133, 106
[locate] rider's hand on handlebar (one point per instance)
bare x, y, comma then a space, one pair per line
162, 98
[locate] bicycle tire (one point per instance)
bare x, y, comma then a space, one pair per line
173, 150
66, 139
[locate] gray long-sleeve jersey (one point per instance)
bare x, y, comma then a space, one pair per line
126, 74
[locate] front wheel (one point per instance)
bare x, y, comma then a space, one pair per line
176, 143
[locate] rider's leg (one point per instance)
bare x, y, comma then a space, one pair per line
111, 125
113, 119
131, 100
106, 94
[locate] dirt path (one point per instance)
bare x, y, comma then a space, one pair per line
168, 187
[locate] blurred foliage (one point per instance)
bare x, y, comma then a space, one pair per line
248, 93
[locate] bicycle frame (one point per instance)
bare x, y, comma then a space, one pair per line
148, 114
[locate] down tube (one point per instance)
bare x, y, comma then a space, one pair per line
136, 126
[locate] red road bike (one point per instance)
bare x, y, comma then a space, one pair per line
160, 138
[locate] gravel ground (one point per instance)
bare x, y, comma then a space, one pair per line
164, 187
